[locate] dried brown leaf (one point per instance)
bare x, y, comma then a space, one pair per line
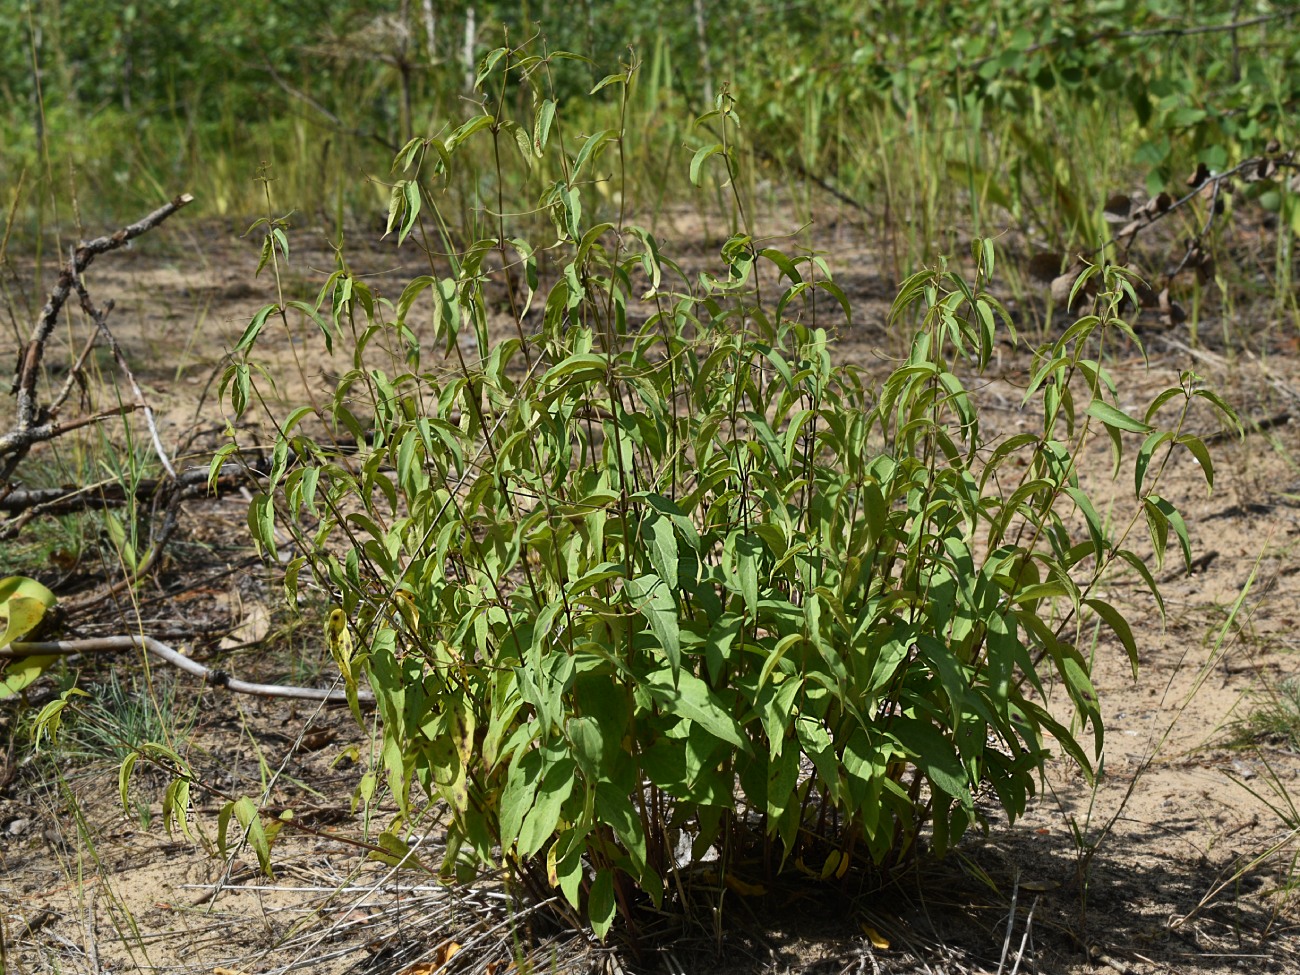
1200, 176
1172, 311
1045, 265
1117, 207
444, 954
1129, 231
1064, 284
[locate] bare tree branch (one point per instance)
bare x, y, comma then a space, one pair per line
33, 423
217, 678
100, 318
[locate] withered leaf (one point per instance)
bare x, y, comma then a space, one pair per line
1200, 176
1172, 311
1045, 265
1117, 207
1064, 284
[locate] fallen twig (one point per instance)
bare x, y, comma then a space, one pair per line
32, 423
217, 678
100, 318
110, 494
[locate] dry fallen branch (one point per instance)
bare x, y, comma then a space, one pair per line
192, 481
217, 678
100, 318
1121, 208
34, 423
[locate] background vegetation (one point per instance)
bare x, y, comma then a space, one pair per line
646, 579
1021, 107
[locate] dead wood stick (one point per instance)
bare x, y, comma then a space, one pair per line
109, 494
74, 375
217, 678
31, 422
100, 318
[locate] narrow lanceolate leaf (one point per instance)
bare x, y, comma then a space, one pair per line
411, 197
691, 698
1116, 621
702, 154
254, 328
1202, 454
1114, 417
653, 599
542, 126
1096, 530
1143, 462
1174, 519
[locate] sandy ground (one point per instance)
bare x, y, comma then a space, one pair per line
1181, 859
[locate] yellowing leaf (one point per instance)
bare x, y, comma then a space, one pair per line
843, 868
744, 889
877, 939
444, 954
831, 865
23, 603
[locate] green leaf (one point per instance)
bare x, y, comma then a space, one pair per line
691, 698
1140, 567
748, 551
590, 151
1113, 417
600, 903
254, 328
1116, 621
542, 126
246, 813
1143, 462
609, 79
702, 154
1202, 454
411, 197
934, 755
1171, 516
662, 548
1097, 531
653, 599
540, 823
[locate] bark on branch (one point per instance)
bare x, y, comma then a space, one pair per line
217, 678
33, 423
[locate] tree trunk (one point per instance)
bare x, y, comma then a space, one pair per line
706, 66
467, 55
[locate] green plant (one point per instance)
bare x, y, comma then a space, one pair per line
23, 604
1277, 718
121, 718
652, 572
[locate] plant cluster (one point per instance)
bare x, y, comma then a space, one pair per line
644, 580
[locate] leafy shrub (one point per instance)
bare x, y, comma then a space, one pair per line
651, 578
